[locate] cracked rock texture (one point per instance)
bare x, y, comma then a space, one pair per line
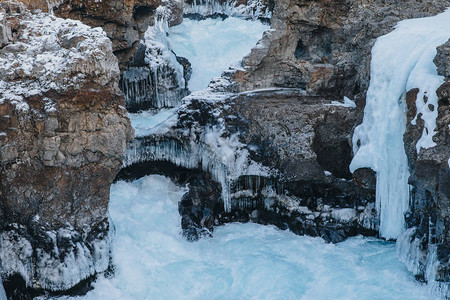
125, 22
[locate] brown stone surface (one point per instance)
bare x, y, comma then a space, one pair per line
324, 46
124, 21
63, 135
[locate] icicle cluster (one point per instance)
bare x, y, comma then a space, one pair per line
146, 88
252, 9
192, 157
210, 149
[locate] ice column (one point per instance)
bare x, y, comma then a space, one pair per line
401, 60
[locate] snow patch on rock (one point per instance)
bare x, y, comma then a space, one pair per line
51, 53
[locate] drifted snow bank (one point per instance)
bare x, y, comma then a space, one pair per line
401, 60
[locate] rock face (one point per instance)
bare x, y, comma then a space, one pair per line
63, 134
427, 241
271, 170
324, 46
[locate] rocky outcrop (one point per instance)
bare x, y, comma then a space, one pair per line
425, 246
125, 22
270, 169
63, 135
324, 46
156, 78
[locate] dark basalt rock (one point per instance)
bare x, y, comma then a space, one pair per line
430, 178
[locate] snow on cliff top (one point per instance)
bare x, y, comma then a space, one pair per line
51, 53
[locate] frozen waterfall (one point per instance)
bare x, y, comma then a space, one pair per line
401, 60
250, 8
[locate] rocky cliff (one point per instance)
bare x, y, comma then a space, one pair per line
275, 156
324, 46
63, 135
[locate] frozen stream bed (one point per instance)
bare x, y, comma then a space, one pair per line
242, 261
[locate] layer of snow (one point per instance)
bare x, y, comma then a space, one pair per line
212, 45
401, 60
243, 261
54, 54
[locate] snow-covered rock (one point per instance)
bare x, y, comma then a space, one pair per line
64, 132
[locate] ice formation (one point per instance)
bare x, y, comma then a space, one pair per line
401, 60
160, 83
212, 45
153, 121
225, 158
253, 8
242, 261
58, 269
420, 261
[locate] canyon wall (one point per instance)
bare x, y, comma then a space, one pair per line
278, 156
